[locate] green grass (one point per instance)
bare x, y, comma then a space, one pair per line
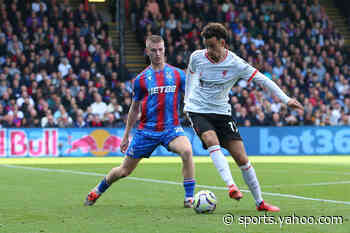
34, 201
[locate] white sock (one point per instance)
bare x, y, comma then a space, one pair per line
250, 179
221, 164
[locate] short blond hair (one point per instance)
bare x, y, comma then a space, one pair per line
153, 39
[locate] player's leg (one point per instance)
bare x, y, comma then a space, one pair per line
206, 132
124, 170
116, 173
236, 149
212, 142
182, 146
141, 146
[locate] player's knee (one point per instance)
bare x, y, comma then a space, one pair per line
210, 138
241, 158
186, 154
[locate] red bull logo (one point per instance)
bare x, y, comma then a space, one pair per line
19, 143
99, 143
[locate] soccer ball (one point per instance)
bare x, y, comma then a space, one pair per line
204, 202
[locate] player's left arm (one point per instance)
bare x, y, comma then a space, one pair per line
250, 73
275, 89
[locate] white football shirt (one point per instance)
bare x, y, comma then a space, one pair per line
208, 83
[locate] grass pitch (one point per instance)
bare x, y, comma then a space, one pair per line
47, 194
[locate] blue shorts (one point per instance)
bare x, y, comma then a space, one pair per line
145, 142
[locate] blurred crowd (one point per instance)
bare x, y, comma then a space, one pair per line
58, 67
292, 42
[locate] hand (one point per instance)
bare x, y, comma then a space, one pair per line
293, 103
124, 144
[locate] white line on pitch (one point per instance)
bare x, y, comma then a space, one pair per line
306, 172
171, 182
311, 184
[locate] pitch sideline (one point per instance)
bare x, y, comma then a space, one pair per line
310, 184
169, 182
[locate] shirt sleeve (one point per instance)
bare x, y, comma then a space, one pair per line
137, 93
191, 65
272, 86
183, 81
250, 73
247, 72
190, 73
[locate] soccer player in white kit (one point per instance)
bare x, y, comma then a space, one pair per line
211, 73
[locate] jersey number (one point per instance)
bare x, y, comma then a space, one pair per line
233, 126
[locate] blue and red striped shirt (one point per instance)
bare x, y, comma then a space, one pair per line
160, 95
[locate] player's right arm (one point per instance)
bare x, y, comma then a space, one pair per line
133, 114
131, 120
191, 76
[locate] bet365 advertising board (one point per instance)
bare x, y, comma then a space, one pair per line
106, 142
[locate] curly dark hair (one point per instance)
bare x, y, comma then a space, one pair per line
214, 30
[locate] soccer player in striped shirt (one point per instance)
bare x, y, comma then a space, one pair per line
157, 92
211, 73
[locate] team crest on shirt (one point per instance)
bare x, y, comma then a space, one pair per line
224, 73
179, 129
168, 75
